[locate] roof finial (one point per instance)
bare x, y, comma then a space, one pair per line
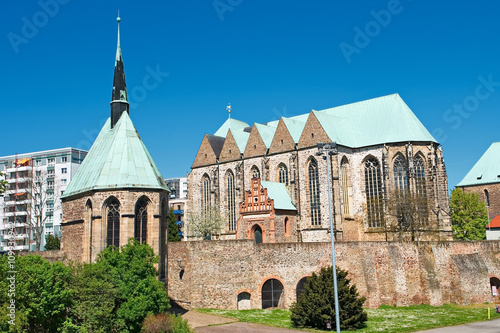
228, 108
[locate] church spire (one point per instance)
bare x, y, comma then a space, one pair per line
119, 99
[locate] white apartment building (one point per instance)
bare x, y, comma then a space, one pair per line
177, 201
35, 183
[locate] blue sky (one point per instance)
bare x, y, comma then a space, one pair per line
268, 59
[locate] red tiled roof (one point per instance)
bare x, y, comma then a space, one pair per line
495, 223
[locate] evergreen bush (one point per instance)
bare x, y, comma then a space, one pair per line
316, 305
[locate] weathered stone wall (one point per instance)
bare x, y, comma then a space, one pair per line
84, 222
52, 255
394, 273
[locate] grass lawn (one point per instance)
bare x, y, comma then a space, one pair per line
387, 319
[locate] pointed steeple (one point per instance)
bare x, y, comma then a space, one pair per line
119, 99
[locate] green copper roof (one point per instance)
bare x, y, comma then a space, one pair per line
295, 127
241, 138
266, 133
486, 170
279, 193
118, 159
231, 124
371, 122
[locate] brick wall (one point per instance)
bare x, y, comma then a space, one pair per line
394, 273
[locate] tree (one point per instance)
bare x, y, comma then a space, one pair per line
52, 243
95, 299
468, 216
173, 228
42, 293
45, 200
205, 223
134, 274
316, 305
410, 212
3, 182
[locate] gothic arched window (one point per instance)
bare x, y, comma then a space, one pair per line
403, 209
400, 175
283, 174
373, 190
113, 222
141, 220
205, 197
420, 189
345, 183
231, 201
254, 172
314, 192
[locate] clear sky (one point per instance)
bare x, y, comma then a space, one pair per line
267, 58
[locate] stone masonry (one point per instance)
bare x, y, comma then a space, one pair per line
394, 273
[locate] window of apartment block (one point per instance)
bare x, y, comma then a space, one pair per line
51, 172
64, 170
64, 159
50, 184
51, 161
38, 162
63, 181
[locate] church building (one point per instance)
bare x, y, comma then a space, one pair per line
269, 181
118, 192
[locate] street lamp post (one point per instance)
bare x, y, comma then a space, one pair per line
331, 149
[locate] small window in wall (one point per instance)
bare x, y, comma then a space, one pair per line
64, 159
287, 227
64, 170
258, 235
254, 172
244, 301
487, 197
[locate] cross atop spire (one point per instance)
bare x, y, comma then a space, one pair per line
119, 98
228, 108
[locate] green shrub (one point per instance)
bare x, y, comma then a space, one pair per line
165, 323
316, 304
52, 243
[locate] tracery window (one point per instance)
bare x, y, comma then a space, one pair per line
113, 223
206, 202
283, 174
314, 193
231, 202
254, 172
373, 190
403, 202
141, 221
344, 181
420, 190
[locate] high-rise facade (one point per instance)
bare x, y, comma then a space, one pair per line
35, 183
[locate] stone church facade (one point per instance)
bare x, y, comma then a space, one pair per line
384, 159
118, 192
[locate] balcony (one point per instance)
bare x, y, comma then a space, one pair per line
179, 212
14, 202
16, 237
18, 213
180, 224
15, 191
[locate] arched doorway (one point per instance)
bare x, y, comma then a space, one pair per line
495, 282
272, 294
301, 287
244, 301
257, 233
